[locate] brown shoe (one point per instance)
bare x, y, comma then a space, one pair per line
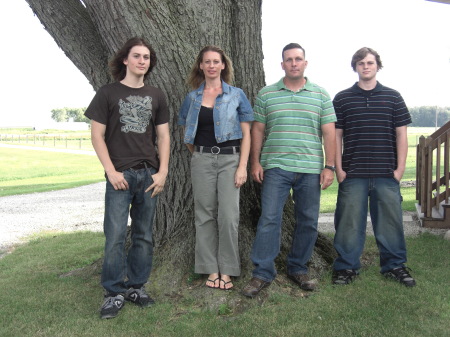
254, 287
304, 281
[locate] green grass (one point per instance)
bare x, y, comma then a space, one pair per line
28, 171
36, 301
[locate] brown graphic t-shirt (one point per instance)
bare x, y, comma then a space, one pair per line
130, 116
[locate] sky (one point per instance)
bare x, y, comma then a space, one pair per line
411, 36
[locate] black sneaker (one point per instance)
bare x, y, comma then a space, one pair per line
401, 275
139, 297
344, 276
111, 306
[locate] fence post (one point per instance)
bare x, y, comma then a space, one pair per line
446, 166
429, 176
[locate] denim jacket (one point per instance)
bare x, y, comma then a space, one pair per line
230, 109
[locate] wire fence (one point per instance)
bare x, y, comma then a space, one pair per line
82, 142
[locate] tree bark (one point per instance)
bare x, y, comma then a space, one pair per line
89, 32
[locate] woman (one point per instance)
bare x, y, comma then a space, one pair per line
216, 117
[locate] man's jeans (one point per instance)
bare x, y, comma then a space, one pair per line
120, 271
276, 187
351, 220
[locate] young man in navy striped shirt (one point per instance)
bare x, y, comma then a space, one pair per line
372, 146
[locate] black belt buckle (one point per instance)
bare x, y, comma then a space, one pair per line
140, 166
213, 149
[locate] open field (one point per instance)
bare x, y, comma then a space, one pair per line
51, 172
29, 171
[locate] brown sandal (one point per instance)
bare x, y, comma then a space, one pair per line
213, 281
225, 284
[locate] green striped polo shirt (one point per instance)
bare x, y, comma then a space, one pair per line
293, 126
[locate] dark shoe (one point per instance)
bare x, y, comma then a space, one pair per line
139, 297
344, 276
401, 275
303, 281
254, 287
111, 306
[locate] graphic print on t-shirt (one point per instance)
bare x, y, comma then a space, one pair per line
136, 113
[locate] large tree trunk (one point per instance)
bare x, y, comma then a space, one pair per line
89, 35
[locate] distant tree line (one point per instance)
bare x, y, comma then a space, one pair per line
67, 114
421, 115
429, 115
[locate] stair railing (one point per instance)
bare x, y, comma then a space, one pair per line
428, 170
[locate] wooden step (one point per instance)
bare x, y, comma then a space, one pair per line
440, 218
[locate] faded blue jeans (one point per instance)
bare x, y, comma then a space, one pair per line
121, 271
276, 187
385, 205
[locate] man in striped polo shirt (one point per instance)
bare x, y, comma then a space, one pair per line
292, 115
372, 122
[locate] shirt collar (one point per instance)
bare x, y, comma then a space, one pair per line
356, 88
281, 86
225, 88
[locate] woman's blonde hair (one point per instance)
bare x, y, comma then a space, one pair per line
196, 76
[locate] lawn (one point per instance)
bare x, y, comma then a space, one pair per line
29, 171
39, 300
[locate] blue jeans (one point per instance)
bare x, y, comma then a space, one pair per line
120, 271
385, 201
276, 187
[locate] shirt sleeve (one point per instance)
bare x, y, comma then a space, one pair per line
328, 114
338, 111
245, 110
401, 113
182, 114
260, 109
98, 109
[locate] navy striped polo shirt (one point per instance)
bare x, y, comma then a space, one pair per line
369, 120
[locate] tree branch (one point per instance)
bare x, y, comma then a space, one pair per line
69, 24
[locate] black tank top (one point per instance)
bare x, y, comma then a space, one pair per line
205, 130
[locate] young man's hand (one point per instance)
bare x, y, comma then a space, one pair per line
117, 180
159, 180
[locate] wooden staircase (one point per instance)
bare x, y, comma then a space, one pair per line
432, 186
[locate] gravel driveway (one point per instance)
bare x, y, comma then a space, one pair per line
69, 210
81, 208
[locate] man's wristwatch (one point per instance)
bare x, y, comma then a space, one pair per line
332, 168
